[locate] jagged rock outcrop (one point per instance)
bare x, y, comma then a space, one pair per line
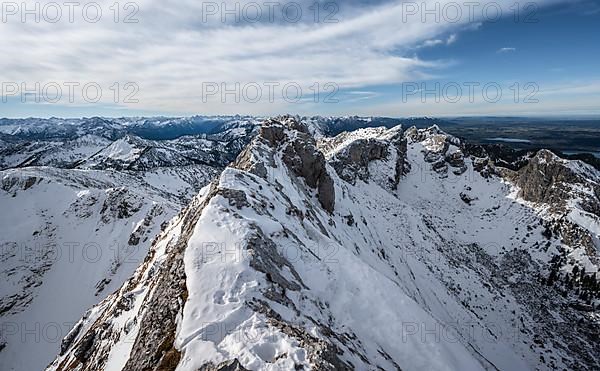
441, 150
356, 155
303, 158
10, 183
546, 179
299, 153
354, 162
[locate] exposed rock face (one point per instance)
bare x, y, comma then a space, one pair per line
433, 137
120, 204
354, 161
299, 152
592, 204
482, 166
265, 258
548, 179
356, 155
443, 151
303, 158
233, 365
457, 161
24, 183
545, 179
466, 198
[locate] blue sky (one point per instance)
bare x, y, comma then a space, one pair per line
558, 52
370, 58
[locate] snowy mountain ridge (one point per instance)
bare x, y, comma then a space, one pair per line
160, 127
79, 215
376, 249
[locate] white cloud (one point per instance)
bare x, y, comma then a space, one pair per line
171, 52
451, 39
506, 50
435, 42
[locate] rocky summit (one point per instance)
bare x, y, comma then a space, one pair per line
382, 248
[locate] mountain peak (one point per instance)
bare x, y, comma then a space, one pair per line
370, 249
289, 140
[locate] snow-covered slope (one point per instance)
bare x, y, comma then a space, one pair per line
71, 237
379, 249
134, 153
56, 153
79, 213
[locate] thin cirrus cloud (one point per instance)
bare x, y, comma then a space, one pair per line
506, 50
174, 49
435, 42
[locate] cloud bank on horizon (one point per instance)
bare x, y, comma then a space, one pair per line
358, 57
